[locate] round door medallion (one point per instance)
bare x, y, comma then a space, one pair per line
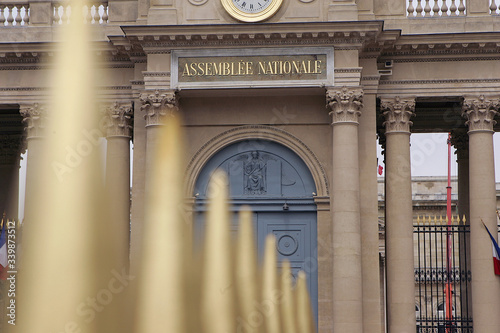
251, 10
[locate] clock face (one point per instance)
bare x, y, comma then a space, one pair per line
251, 10
252, 6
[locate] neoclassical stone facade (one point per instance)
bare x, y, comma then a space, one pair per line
307, 91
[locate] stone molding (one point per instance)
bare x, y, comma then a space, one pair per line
197, 2
344, 35
480, 113
397, 113
345, 105
35, 118
158, 106
117, 119
438, 81
460, 140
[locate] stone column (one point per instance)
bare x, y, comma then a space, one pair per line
345, 108
399, 216
480, 112
460, 140
118, 133
158, 106
35, 118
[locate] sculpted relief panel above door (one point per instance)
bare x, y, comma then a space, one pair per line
261, 169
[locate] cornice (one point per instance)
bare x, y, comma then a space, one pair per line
255, 28
19, 56
447, 38
47, 88
447, 81
157, 39
439, 46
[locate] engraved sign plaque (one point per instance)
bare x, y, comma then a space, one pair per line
252, 68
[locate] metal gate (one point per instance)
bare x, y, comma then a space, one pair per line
442, 275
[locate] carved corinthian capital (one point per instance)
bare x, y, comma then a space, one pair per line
460, 140
345, 105
397, 113
158, 106
35, 117
480, 113
118, 119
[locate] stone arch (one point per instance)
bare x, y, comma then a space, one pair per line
257, 132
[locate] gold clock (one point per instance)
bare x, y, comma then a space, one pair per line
251, 10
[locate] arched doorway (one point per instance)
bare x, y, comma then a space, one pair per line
279, 188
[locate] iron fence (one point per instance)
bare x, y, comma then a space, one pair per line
442, 276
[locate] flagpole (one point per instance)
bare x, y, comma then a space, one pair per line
448, 289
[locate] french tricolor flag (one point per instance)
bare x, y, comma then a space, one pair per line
496, 252
3, 253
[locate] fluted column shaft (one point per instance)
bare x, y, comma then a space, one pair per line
35, 118
482, 198
369, 216
399, 216
345, 107
118, 132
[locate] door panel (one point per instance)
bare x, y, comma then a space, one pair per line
268, 177
296, 237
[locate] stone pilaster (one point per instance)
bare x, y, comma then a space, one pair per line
399, 215
344, 105
480, 112
118, 127
369, 215
158, 106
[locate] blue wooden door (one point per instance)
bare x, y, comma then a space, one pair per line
279, 188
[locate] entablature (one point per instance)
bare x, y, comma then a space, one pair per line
341, 35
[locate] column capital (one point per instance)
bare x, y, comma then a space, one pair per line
158, 105
460, 140
480, 113
117, 119
35, 117
344, 104
397, 113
